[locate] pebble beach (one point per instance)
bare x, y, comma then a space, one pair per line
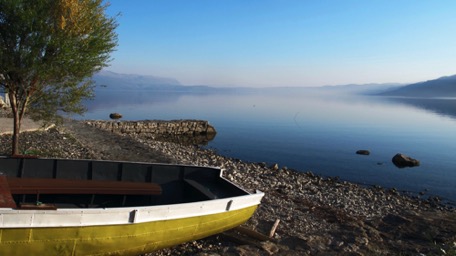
315, 215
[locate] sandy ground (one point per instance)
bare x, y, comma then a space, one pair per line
6, 125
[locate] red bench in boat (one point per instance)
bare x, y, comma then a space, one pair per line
13, 185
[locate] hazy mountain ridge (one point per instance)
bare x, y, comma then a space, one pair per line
366, 89
441, 87
116, 81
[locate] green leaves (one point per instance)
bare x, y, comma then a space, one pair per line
49, 49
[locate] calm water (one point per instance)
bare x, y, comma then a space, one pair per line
318, 133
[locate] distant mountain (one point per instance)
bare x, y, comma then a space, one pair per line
107, 81
441, 87
115, 81
365, 89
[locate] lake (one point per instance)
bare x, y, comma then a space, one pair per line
318, 132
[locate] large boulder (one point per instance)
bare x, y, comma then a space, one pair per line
401, 161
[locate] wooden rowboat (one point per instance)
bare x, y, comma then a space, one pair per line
88, 207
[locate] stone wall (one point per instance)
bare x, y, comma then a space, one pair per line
157, 127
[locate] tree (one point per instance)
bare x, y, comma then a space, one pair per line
49, 50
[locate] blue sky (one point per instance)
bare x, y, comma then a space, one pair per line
263, 43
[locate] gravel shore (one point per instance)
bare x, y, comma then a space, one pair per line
318, 216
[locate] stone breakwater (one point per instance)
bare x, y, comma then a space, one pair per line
156, 127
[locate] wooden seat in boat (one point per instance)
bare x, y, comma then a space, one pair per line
68, 186
200, 188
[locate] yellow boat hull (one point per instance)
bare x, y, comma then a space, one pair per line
127, 239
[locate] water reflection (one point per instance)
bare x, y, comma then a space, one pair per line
440, 106
316, 132
105, 99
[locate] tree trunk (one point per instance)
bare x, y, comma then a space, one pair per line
16, 132
16, 124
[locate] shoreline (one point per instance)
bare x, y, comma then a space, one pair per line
318, 215
174, 133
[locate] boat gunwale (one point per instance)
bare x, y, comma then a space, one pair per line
111, 161
123, 215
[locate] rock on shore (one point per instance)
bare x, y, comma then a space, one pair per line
318, 216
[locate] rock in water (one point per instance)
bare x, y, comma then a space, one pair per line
115, 116
401, 161
363, 152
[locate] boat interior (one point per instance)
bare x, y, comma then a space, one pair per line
34, 183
